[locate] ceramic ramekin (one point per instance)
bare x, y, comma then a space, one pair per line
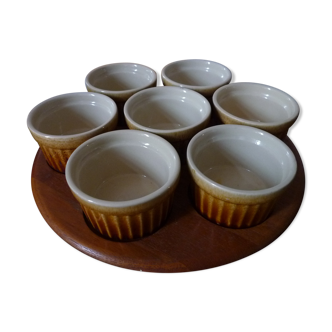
203, 76
256, 105
238, 173
62, 123
173, 113
120, 81
124, 181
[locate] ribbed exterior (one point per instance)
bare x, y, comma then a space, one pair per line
128, 227
228, 214
56, 158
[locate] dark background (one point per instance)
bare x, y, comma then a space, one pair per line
54, 70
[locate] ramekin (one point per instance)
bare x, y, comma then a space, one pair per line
202, 76
120, 81
173, 113
124, 181
62, 123
238, 173
257, 105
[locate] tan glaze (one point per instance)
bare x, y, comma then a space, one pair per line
61, 123
186, 242
58, 150
128, 227
124, 181
229, 214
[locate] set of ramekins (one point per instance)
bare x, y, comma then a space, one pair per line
122, 144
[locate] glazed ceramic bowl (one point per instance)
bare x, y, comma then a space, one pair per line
175, 114
120, 81
124, 181
202, 76
62, 123
238, 173
256, 105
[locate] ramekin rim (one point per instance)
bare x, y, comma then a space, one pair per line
167, 131
169, 184
239, 192
250, 122
196, 87
119, 92
107, 100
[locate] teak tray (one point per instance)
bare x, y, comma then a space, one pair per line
187, 241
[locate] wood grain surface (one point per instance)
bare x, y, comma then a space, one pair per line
187, 241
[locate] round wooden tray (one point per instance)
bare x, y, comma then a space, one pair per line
187, 242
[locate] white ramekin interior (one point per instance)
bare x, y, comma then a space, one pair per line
122, 168
120, 77
241, 159
163, 109
71, 114
195, 72
256, 103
